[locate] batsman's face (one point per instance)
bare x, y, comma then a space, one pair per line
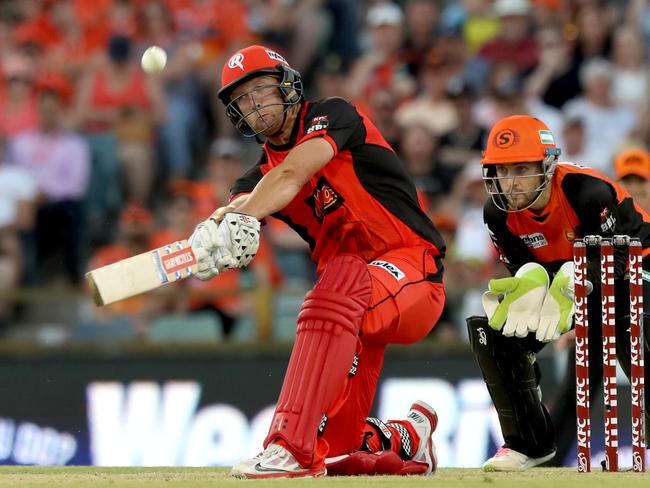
261, 104
520, 183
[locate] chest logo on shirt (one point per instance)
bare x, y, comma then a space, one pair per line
535, 240
397, 273
318, 123
324, 199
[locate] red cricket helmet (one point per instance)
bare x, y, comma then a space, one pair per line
249, 63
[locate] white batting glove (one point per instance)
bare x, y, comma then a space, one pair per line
208, 244
557, 310
207, 268
242, 239
513, 304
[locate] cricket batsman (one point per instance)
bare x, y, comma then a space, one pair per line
537, 208
327, 172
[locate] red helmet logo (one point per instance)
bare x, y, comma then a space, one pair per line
236, 61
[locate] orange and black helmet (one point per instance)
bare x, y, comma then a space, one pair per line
513, 140
519, 139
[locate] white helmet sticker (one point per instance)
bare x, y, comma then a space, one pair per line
275, 56
546, 137
236, 61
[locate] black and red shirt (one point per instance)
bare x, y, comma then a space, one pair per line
362, 202
583, 202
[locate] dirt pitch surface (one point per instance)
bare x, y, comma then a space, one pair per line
90, 477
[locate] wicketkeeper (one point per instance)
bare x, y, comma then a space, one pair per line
537, 208
327, 172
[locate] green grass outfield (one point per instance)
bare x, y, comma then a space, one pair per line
82, 477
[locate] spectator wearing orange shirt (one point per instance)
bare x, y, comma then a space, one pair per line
181, 86
134, 237
632, 167
117, 99
18, 112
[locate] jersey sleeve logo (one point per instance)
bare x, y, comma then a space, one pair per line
318, 123
607, 220
497, 246
324, 200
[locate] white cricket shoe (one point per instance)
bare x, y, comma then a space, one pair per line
424, 420
274, 462
507, 459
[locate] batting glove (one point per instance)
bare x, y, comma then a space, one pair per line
513, 304
241, 235
208, 243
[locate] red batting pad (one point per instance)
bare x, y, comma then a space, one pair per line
326, 340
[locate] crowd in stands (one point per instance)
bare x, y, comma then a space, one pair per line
100, 161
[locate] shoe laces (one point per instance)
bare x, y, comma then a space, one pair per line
277, 455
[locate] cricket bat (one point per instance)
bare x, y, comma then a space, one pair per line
141, 273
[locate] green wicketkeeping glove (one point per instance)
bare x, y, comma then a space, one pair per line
556, 315
516, 301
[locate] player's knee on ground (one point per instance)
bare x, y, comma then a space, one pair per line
326, 341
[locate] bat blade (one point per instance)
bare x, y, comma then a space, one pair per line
142, 273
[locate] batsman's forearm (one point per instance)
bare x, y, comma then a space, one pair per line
274, 192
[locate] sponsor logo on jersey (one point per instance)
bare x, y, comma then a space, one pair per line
318, 123
570, 235
275, 56
607, 220
535, 240
499, 249
324, 199
397, 273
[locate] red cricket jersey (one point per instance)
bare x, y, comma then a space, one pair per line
362, 202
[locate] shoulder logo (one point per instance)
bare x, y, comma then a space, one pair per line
506, 138
318, 123
275, 56
607, 220
236, 61
324, 199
